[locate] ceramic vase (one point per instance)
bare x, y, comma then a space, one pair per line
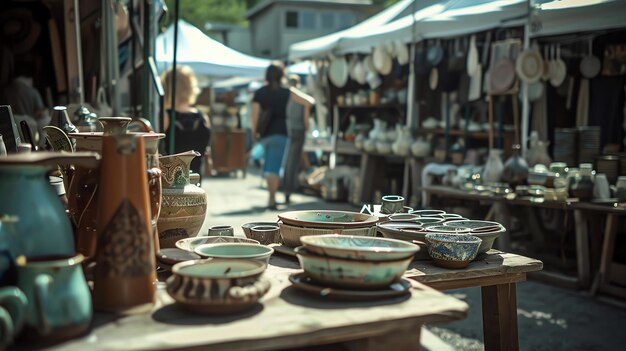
125, 271
184, 205
378, 132
420, 148
43, 228
402, 145
515, 169
494, 167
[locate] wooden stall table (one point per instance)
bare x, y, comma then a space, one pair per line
228, 150
287, 318
496, 273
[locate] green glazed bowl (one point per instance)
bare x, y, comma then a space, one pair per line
257, 252
359, 248
351, 274
190, 244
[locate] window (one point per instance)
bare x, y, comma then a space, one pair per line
291, 19
308, 20
346, 20
328, 20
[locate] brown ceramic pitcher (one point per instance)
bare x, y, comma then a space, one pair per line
125, 269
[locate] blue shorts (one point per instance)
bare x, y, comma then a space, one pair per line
274, 146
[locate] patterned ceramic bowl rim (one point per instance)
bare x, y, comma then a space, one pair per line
268, 251
453, 238
403, 217
258, 268
303, 251
291, 218
445, 229
180, 243
423, 213
497, 227
403, 246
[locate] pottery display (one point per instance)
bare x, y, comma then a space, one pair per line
125, 272
183, 207
190, 244
383, 147
257, 252
290, 235
352, 274
515, 169
23, 180
359, 248
494, 167
265, 234
12, 311
305, 283
402, 145
217, 286
452, 250
59, 305
378, 132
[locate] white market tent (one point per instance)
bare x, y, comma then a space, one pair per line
445, 19
571, 16
324, 45
206, 56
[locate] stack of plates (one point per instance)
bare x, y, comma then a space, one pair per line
588, 144
609, 165
622, 164
565, 146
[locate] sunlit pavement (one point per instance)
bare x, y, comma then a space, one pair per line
549, 318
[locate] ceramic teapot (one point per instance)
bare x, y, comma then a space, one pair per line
25, 189
494, 167
402, 145
421, 147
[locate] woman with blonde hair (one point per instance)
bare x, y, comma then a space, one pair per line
192, 126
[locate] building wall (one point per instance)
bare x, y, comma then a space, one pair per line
271, 37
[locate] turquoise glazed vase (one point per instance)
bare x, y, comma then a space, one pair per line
59, 305
43, 228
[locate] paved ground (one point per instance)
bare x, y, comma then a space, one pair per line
549, 318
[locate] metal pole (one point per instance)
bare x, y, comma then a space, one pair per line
79, 54
146, 106
173, 108
525, 102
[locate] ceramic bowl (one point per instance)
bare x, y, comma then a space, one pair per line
445, 229
353, 274
246, 227
290, 235
452, 250
406, 231
485, 230
359, 248
327, 219
190, 244
217, 286
426, 213
265, 234
257, 252
431, 220
403, 217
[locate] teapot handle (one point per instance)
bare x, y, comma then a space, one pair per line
42, 287
6, 328
12, 305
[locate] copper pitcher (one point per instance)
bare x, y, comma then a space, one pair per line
125, 270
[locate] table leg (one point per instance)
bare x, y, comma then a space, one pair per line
608, 248
500, 317
582, 249
408, 339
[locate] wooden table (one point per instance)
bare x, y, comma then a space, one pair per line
496, 273
287, 318
582, 212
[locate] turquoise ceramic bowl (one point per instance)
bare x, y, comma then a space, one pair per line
403, 217
486, 230
428, 221
351, 274
359, 248
190, 244
452, 250
236, 250
426, 213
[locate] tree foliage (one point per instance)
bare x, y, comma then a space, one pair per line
199, 12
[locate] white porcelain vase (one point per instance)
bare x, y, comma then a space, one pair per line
494, 167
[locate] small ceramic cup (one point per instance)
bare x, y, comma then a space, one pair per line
392, 204
221, 230
265, 234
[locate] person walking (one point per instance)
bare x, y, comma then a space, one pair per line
269, 107
297, 125
192, 130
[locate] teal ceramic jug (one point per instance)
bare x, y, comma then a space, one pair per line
8, 249
59, 305
44, 228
